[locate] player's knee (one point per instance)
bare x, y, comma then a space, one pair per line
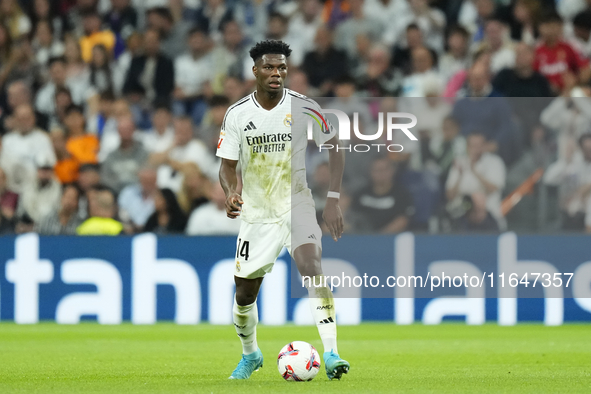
245, 297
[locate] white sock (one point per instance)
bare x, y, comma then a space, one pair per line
245, 321
324, 314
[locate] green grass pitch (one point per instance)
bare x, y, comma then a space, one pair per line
385, 358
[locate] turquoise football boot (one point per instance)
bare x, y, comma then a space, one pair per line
335, 365
247, 365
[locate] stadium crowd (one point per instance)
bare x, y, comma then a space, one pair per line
110, 110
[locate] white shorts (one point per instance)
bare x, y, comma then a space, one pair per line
259, 244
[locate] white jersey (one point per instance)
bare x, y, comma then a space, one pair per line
271, 148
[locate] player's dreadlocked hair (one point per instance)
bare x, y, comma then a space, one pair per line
268, 47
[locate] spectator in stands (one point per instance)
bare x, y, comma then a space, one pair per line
484, 110
378, 78
303, 26
22, 65
75, 66
122, 19
193, 192
473, 16
40, 197
358, 164
161, 136
209, 132
211, 218
335, 12
347, 31
8, 199
522, 80
75, 14
45, 44
93, 36
581, 34
121, 166
477, 218
253, 17
384, 11
45, 100
63, 101
212, 16
555, 57
572, 175
456, 58
477, 171
234, 89
101, 73
423, 76
298, 82
12, 15
64, 221
186, 149
401, 56
43, 10
325, 63
168, 217
110, 135
193, 71
228, 56
19, 94
102, 118
152, 72
66, 167
277, 27
6, 47
21, 147
497, 44
384, 206
524, 21
81, 146
444, 147
102, 212
133, 48
172, 33
89, 178
568, 116
136, 202
430, 112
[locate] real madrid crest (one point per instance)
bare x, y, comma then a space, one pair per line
237, 266
287, 121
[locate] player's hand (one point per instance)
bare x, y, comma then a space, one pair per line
234, 205
333, 218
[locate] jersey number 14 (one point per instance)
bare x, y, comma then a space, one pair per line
242, 249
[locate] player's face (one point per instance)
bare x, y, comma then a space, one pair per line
271, 72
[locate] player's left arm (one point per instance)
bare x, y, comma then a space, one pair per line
333, 217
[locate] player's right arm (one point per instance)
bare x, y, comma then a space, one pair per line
229, 182
229, 152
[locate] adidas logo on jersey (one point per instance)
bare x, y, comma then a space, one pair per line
250, 126
326, 321
312, 236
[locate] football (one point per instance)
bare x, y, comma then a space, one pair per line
298, 361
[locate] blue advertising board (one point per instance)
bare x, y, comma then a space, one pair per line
144, 279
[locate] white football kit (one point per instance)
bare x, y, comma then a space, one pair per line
278, 208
